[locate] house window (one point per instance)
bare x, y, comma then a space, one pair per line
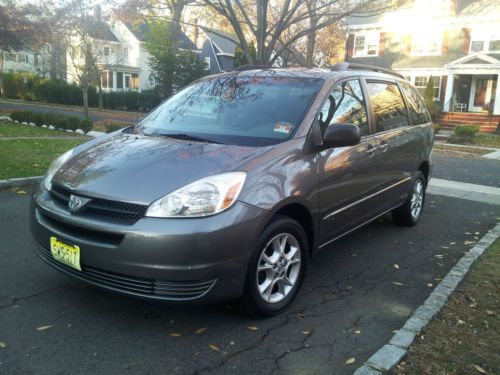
426, 43
485, 39
366, 44
421, 84
119, 80
104, 80
106, 51
125, 52
134, 81
207, 62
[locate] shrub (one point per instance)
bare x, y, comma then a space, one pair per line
464, 134
16, 116
73, 123
86, 125
38, 118
462, 130
59, 121
436, 128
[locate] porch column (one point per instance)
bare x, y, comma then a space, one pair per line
114, 80
448, 95
496, 107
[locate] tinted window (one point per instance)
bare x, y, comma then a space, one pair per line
345, 104
416, 105
388, 105
251, 110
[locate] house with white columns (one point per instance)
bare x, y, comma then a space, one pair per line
454, 43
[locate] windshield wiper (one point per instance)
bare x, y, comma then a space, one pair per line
189, 137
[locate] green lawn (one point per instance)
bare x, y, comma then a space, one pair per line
26, 158
487, 140
8, 130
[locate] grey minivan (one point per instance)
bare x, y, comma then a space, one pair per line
229, 187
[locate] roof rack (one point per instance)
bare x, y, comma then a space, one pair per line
343, 66
251, 67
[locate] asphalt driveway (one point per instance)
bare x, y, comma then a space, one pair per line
356, 293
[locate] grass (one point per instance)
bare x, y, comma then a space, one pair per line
31, 157
465, 336
9, 130
487, 140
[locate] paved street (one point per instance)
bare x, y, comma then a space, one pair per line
353, 298
94, 114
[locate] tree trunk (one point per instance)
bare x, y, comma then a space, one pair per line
310, 47
101, 105
85, 92
1, 74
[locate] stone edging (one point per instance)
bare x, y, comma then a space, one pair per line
392, 353
16, 182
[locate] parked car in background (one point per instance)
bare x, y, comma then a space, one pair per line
229, 187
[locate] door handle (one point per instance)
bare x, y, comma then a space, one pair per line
370, 150
383, 146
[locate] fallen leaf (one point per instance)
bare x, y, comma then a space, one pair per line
252, 328
232, 343
357, 332
175, 334
439, 256
429, 285
460, 321
214, 347
396, 266
396, 283
490, 312
199, 331
21, 192
306, 332
3, 345
479, 369
350, 361
43, 328
452, 243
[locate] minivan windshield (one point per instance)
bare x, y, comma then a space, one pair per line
248, 111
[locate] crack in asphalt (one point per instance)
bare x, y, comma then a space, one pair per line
14, 300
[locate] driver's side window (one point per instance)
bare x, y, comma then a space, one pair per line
345, 104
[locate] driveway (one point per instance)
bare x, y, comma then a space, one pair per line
357, 291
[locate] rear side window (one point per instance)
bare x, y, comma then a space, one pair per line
388, 106
346, 104
416, 105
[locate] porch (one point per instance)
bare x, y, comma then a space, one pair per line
472, 86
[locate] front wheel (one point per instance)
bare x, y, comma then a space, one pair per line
410, 212
277, 267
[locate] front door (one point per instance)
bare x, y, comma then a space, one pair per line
480, 95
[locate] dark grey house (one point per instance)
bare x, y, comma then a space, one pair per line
217, 50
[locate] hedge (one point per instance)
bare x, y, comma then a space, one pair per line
27, 86
57, 120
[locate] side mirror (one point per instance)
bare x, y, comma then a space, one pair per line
341, 135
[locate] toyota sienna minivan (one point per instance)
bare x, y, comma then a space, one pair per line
230, 186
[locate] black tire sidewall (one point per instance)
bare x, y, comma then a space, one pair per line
252, 298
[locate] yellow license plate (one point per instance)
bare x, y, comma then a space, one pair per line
64, 253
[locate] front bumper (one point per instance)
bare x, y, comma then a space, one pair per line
202, 259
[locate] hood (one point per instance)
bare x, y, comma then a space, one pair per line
142, 169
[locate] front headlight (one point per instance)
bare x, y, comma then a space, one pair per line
207, 196
54, 167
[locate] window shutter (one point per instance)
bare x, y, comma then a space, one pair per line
349, 48
444, 45
381, 46
466, 32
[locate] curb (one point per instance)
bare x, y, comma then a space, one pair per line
393, 352
91, 133
16, 182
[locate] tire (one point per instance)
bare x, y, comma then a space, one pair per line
410, 212
277, 267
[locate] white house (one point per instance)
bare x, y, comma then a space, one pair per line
456, 42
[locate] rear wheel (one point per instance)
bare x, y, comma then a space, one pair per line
410, 212
277, 267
